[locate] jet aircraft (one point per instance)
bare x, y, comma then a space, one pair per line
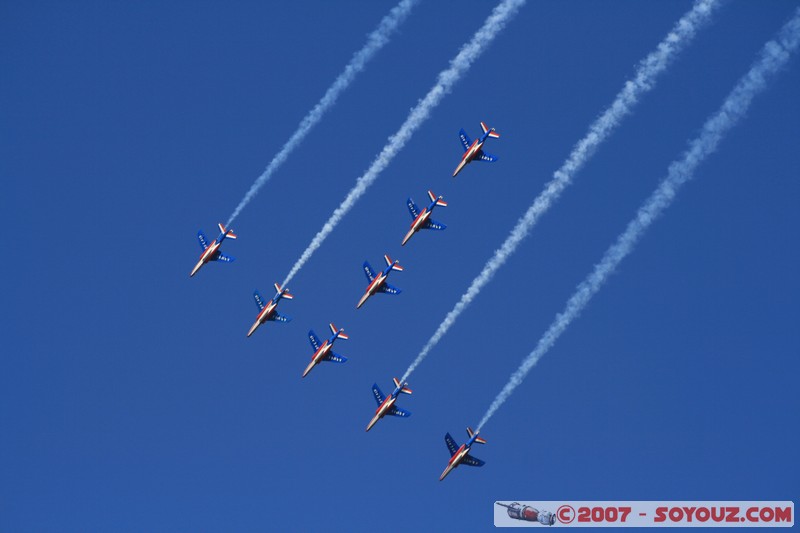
323, 351
460, 455
267, 310
473, 150
423, 219
386, 404
211, 252
377, 283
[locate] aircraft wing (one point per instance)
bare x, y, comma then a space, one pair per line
412, 208
224, 258
203, 240
472, 461
259, 301
379, 397
335, 357
483, 156
432, 224
314, 340
368, 271
279, 317
451, 444
396, 411
465, 140
389, 289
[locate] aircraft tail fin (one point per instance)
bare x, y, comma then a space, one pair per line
491, 131
438, 199
405, 389
283, 292
227, 232
340, 332
471, 433
394, 264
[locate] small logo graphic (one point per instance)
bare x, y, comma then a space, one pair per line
518, 511
566, 514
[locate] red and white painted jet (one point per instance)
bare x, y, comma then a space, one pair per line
422, 219
267, 310
377, 282
460, 455
473, 149
211, 251
323, 350
386, 406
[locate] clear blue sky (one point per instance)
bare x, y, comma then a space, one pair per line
130, 398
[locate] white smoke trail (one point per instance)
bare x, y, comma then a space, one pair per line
501, 14
773, 56
648, 69
376, 40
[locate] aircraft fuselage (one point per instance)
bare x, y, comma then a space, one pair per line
455, 460
417, 224
374, 285
470, 154
206, 256
318, 356
382, 409
263, 316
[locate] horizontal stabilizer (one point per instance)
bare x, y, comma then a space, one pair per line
339, 331
438, 199
379, 397
394, 264
283, 292
228, 233
335, 357
477, 439
405, 389
491, 131
203, 240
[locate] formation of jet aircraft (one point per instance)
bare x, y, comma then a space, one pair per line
421, 219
